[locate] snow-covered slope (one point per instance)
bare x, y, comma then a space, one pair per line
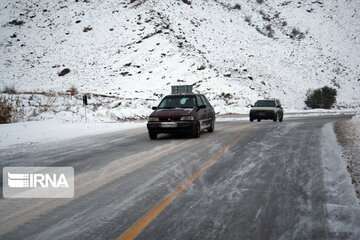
234, 51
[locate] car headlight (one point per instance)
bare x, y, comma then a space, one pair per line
153, 119
187, 118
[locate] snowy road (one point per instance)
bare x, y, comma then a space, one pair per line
245, 181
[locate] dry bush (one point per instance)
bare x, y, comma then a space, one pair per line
237, 6
7, 110
297, 34
72, 91
248, 19
9, 90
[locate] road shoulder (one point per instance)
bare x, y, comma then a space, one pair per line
348, 135
342, 205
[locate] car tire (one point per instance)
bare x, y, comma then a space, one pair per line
196, 131
152, 135
259, 119
281, 118
275, 117
212, 126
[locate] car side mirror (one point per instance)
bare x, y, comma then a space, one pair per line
154, 108
202, 106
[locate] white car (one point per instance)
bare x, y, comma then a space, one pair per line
267, 109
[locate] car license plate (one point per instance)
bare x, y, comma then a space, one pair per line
169, 124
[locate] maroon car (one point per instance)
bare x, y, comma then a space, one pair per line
190, 113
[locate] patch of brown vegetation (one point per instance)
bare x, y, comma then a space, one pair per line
348, 135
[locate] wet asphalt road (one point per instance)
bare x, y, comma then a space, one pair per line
244, 181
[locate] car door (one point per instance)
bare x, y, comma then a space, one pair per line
279, 107
211, 111
202, 112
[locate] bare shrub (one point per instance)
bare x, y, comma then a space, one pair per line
269, 31
248, 19
87, 29
6, 110
188, 2
9, 90
16, 22
237, 6
72, 91
297, 34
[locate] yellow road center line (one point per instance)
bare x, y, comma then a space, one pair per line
134, 230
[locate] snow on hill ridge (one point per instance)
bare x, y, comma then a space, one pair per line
233, 51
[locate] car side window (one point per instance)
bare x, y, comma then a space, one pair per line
199, 101
205, 101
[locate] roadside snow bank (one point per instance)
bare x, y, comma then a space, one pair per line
230, 118
341, 204
287, 115
62, 107
317, 112
51, 130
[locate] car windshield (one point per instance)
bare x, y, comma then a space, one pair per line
178, 102
265, 103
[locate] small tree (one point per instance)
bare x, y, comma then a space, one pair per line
324, 97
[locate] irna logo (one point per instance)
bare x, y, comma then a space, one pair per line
34, 180
38, 182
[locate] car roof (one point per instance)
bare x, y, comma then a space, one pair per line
185, 94
272, 99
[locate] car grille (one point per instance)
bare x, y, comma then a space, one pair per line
169, 119
265, 111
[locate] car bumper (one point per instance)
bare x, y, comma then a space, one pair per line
262, 115
171, 127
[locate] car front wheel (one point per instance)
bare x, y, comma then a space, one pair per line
275, 117
196, 131
281, 118
152, 135
212, 126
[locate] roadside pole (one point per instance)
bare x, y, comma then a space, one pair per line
85, 102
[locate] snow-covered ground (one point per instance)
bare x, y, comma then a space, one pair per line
43, 131
134, 50
52, 130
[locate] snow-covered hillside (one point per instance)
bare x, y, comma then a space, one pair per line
233, 51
